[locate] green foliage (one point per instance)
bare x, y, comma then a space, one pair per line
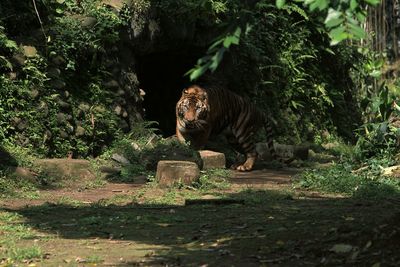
79, 29
363, 183
213, 179
215, 53
343, 21
74, 107
377, 136
13, 230
343, 18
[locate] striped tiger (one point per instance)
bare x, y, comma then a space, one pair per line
205, 111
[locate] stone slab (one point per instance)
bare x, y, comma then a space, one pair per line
212, 159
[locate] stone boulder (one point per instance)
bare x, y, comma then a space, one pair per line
62, 169
170, 172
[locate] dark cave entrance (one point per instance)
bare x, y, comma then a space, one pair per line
161, 76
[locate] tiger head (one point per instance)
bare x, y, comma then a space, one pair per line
192, 108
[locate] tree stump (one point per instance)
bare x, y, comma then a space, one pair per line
212, 159
170, 172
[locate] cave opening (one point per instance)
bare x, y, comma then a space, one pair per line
161, 76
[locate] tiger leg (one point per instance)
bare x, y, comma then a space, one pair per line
196, 139
249, 163
251, 157
179, 135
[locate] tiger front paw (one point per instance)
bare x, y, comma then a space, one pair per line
244, 167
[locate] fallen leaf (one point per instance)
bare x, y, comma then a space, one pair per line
80, 260
355, 255
341, 248
241, 226
368, 245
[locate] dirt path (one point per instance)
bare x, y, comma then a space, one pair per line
137, 225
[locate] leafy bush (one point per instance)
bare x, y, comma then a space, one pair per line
54, 101
377, 135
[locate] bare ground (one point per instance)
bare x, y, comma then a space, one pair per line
273, 225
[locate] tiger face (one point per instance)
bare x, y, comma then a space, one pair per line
192, 109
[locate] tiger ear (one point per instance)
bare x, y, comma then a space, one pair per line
185, 91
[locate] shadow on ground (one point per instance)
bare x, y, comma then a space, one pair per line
6, 159
270, 228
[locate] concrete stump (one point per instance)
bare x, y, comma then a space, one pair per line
170, 172
212, 159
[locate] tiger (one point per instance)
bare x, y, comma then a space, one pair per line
204, 111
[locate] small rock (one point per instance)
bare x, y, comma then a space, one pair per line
58, 60
16, 120
113, 84
57, 84
64, 134
118, 110
61, 118
341, 248
18, 60
121, 159
29, 51
63, 104
212, 160
22, 125
120, 92
110, 170
123, 125
391, 171
135, 146
152, 141
69, 128
141, 179
170, 172
43, 108
84, 107
12, 75
53, 72
89, 22
79, 131
34, 93
117, 4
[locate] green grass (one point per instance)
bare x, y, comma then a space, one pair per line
13, 230
213, 179
340, 178
11, 186
68, 201
94, 259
